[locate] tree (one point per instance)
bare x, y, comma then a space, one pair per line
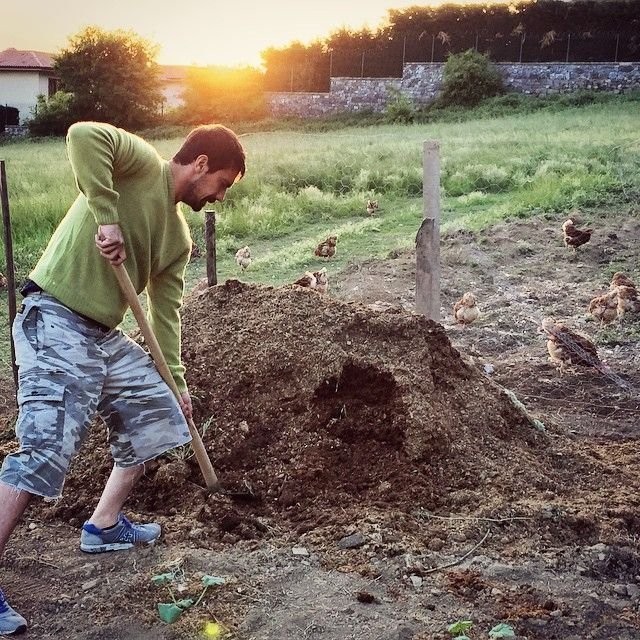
112, 75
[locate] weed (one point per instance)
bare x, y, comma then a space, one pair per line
169, 612
186, 451
459, 629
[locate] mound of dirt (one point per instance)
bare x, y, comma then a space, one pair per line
329, 410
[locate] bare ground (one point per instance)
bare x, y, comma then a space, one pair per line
373, 422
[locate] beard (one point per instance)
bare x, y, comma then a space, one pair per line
192, 198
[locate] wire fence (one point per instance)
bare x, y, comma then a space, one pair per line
313, 72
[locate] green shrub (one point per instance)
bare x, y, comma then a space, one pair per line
54, 116
400, 108
469, 78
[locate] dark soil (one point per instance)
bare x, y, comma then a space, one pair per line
380, 448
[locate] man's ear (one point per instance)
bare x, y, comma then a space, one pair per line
201, 164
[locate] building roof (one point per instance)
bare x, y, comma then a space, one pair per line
17, 59
173, 72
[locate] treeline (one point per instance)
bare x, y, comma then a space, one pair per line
538, 31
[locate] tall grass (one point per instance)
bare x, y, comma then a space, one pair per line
304, 184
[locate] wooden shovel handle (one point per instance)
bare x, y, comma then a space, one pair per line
161, 364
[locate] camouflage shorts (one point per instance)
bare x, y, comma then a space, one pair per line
69, 371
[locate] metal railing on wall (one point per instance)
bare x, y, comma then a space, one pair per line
315, 72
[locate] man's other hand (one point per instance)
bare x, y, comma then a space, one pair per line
186, 406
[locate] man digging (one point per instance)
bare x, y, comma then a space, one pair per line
73, 362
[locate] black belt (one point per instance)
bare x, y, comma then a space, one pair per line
32, 287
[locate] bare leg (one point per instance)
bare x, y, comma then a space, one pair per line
115, 493
14, 502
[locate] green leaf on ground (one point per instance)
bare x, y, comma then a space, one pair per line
169, 612
502, 630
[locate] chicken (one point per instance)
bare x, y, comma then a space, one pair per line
605, 307
567, 348
308, 280
195, 252
574, 237
620, 279
465, 310
628, 301
243, 258
322, 280
372, 207
626, 293
3, 281
327, 248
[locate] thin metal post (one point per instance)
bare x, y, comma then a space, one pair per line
617, 47
568, 46
521, 45
404, 50
476, 45
362, 66
8, 252
433, 45
210, 241
428, 236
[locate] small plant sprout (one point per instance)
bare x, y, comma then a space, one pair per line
459, 629
502, 630
169, 612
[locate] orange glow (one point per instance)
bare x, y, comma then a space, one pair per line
200, 33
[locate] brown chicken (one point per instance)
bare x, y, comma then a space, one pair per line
620, 279
322, 280
574, 237
566, 347
465, 311
605, 307
243, 258
327, 248
628, 301
308, 280
372, 207
626, 293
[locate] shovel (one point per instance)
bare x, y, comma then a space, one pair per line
210, 477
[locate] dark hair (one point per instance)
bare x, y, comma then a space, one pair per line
218, 143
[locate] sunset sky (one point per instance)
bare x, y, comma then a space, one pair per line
189, 31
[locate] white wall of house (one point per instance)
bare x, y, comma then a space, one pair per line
172, 94
20, 89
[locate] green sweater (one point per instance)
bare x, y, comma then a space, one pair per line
122, 180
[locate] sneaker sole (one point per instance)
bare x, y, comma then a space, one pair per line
113, 546
20, 630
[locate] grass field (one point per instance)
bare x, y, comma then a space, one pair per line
300, 185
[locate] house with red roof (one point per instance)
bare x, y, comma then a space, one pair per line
24, 75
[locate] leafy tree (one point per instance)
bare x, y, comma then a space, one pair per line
469, 78
112, 76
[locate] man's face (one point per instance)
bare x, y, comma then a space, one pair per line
209, 187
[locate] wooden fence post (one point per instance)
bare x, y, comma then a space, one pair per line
210, 239
8, 254
428, 236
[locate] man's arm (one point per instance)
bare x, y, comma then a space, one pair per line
96, 151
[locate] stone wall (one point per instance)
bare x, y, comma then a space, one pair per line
421, 82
